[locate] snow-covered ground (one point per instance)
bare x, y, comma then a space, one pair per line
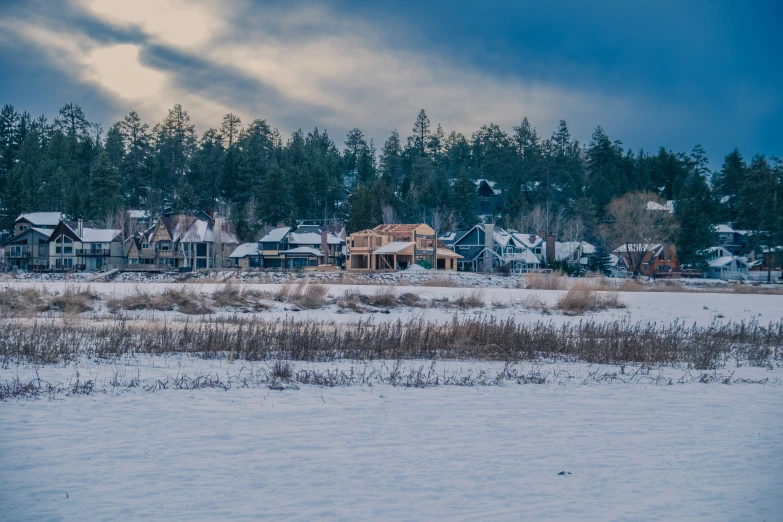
666, 307
691, 451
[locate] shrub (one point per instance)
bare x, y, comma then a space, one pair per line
304, 295
411, 299
583, 297
72, 301
474, 299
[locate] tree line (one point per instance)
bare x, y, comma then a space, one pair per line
249, 171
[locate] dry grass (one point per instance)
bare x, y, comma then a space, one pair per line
412, 300
303, 295
441, 282
385, 297
21, 302
583, 297
183, 300
473, 299
549, 281
534, 302
235, 296
72, 301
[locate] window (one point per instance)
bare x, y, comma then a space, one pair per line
201, 249
22, 228
201, 263
145, 245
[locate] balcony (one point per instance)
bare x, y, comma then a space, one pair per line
93, 252
161, 254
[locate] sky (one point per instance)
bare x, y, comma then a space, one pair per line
652, 73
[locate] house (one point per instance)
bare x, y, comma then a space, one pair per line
486, 247
573, 251
29, 249
306, 246
72, 246
722, 264
183, 241
649, 259
396, 247
735, 241
667, 207
39, 220
246, 256
487, 195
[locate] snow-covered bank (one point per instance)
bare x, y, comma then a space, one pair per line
663, 307
689, 452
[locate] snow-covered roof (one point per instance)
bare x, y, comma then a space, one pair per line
99, 235
45, 231
50, 219
491, 185
641, 247
312, 238
244, 250
304, 250
138, 214
445, 252
723, 229
276, 235
529, 258
566, 249
725, 260
394, 247
668, 207
199, 232
525, 239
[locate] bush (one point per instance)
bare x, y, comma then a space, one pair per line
304, 295
384, 298
548, 281
72, 301
583, 297
474, 299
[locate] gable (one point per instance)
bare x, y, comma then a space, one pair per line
474, 237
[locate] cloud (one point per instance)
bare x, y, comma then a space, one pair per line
298, 66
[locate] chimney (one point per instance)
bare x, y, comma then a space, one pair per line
80, 227
532, 238
325, 247
280, 225
542, 234
489, 244
550, 248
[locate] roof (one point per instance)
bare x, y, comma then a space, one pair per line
45, 231
99, 235
490, 184
244, 250
400, 230
641, 247
445, 252
138, 214
723, 229
303, 251
528, 240
50, 219
566, 249
312, 238
725, 260
199, 232
668, 207
394, 247
276, 235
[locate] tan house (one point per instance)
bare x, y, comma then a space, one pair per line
72, 246
396, 247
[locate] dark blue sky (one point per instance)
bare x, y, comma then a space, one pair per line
653, 74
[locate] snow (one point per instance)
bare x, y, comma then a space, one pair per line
304, 250
634, 452
99, 235
276, 235
701, 308
312, 238
50, 219
244, 250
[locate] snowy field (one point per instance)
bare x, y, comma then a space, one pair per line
179, 437
692, 451
700, 308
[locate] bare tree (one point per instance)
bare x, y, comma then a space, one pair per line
635, 229
389, 215
439, 218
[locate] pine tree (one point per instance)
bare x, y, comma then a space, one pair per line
695, 232
421, 133
105, 187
